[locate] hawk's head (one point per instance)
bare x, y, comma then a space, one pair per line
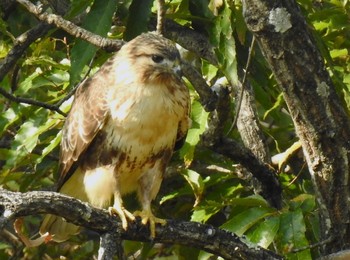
154, 57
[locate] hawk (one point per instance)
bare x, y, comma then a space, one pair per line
121, 132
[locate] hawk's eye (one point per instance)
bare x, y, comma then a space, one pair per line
157, 58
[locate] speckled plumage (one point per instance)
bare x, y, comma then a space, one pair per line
121, 131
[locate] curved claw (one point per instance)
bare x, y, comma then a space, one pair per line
148, 217
123, 215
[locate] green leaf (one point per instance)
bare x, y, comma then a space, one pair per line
48, 149
196, 183
306, 202
222, 37
336, 53
279, 103
250, 201
27, 136
99, 21
27, 84
241, 222
199, 119
206, 210
264, 234
7, 118
291, 235
139, 13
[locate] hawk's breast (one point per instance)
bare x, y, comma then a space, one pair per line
142, 130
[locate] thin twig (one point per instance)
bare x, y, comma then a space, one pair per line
321, 243
71, 28
240, 97
31, 102
298, 175
160, 16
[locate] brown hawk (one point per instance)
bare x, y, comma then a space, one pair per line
121, 132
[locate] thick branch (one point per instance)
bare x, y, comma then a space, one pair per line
21, 44
270, 187
267, 184
225, 244
320, 120
249, 127
188, 38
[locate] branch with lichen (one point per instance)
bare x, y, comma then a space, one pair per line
15, 205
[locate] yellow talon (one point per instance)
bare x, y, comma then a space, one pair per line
123, 215
147, 216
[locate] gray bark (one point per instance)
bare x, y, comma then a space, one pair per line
321, 121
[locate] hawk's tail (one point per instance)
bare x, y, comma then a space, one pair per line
56, 228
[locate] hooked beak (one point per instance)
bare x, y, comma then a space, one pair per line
177, 68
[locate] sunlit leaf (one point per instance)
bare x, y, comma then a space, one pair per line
203, 212
265, 233
199, 120
241, 222
278, 104
196, 183
339, 53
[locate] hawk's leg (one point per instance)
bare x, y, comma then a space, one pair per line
119, 210
149, 185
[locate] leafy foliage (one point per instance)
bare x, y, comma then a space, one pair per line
207, 187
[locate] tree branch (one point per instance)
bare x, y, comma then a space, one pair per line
160, 16
270, 187
250, 157
31, 102
222, 243
71, 28
207, 96
22, 43
320, 120
188, 38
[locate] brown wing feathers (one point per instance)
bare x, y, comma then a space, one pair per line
87, 115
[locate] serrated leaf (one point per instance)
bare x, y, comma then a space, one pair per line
240, 223
99, 21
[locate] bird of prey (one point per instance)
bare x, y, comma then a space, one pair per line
121, 131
